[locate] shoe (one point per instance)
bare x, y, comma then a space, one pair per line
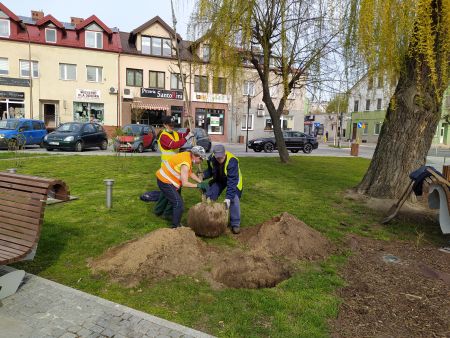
235, 230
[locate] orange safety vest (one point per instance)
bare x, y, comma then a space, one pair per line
170, 171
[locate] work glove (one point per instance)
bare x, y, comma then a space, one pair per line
227, 203
203, 186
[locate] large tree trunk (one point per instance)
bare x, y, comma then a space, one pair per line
406, 134
279, 139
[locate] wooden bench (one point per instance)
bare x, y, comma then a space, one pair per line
22, 204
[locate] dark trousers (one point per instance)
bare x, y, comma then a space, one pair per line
174, 198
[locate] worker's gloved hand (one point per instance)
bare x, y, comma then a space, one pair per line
189, 135
203, 186
227, 203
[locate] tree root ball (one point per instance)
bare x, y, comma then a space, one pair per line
208, 219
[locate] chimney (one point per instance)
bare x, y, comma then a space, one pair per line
75, 21
37, 15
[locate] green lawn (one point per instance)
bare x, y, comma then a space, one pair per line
311, 188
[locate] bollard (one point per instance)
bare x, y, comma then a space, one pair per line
12, 170
109, 184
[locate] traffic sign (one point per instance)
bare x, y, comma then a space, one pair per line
316, 124
360, 124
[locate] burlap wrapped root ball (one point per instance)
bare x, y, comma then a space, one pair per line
208, 219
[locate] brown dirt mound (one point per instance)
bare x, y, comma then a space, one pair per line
208, 219
160, 254
287, 237
394, 289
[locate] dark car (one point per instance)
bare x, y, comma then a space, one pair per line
20, 132
77, 136
295, 141
136, 137
201, 136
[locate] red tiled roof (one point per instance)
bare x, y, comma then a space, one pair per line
93, 19
11, 15
50, 18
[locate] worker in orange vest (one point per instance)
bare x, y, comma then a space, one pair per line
174, 174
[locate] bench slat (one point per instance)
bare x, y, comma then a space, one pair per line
19, 187
29, 177
19, 247
12, 221
24, 219
17, 235
16, 240
5, 193
13, 251
24, 181
21, 206
21, 212
19, 229
6, 255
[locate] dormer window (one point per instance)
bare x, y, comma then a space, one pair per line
50, 35
206, 53
152, 45
94, 39
4, 28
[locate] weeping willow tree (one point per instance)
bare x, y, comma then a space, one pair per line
284, 41
408, 40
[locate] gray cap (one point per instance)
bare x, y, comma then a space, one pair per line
199, 151
219, 150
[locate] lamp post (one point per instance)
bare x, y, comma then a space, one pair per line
30, 77
249, 102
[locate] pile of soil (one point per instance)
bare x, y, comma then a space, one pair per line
160, 254
287, 237
395, 289
271, 250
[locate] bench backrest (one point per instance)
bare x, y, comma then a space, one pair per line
22, 205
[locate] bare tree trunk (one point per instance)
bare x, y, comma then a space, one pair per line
406, 134
279, 139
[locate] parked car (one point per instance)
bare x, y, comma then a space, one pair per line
136, 137
77, 136
202, 139
20, 132
295, 141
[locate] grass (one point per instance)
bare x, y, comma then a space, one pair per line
309, 187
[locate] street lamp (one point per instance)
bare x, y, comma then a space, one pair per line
249, 102
30, 77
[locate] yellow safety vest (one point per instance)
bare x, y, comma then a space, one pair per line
229, 157
166, 154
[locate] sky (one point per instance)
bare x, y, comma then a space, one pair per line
126, 15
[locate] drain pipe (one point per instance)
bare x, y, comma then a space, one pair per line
109, 184
12, 170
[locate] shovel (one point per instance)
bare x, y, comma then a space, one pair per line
393, 211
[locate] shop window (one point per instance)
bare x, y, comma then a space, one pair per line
201, 84
67, 71
94, 74
4, 66
365, 128
177, 113
10, 109
219, 85
134, 77
50, 35
367, 104
249, 88
379, 101
175, 81
25, 68
211, 120
85, 112
157, 79
4, 28
94, 39
247, 123
356, 106
377, 128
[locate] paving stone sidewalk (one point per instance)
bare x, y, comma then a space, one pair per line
45, 309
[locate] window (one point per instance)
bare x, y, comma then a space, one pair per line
367, 104
167, 47
370, 83
201, 84
67, 71
380, 81
156, 46
268, 125
50, 35
206, 52
25, 68
249, 88
211, 120
377, 128
157, 79
219, 85
94, 74
379, 104
365, 128
94, 39
356, 106
4, 68
146, 43
4, 28
134, 77
247, 124
273, 91
175, 81
37, 125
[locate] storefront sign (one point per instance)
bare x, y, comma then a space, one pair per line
12, 95
12, 81
216, 98
162, 94
87, 94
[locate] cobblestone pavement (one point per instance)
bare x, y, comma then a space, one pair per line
45, 309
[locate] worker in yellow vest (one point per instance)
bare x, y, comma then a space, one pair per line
169, 144
174, 174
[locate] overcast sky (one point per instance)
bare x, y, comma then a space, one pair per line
126, 15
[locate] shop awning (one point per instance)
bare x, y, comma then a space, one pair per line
148, 106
